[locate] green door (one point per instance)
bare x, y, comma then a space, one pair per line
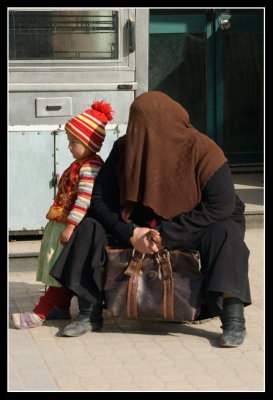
211, 61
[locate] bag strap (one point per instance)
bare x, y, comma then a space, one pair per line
133, 271
163, 258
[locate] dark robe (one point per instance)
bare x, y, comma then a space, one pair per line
215, 227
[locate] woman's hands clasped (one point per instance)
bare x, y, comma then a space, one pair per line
142, 241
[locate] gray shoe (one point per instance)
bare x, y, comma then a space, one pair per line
89, 319
79, 326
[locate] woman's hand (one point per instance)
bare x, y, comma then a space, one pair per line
67, 233
140, 241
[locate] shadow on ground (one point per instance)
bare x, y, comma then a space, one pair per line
24, 296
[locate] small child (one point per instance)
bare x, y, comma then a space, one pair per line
85, 133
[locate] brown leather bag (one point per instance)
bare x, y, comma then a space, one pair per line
162, 286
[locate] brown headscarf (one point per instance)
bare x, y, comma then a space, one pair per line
165, 162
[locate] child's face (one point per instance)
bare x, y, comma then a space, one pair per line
77, 148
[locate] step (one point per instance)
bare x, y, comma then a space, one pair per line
250, 189
24, 248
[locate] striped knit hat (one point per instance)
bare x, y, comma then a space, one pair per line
89, 126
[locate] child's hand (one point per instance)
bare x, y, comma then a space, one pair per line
66, 233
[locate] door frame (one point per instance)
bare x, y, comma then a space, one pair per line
207, 21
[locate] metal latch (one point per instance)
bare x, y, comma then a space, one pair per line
53, 108
125, 87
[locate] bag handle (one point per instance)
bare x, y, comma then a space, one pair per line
163, 258
133, 271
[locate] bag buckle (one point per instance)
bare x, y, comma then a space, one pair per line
162, 253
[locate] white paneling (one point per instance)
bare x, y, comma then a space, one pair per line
30, 167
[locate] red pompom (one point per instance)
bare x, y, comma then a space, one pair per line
104, 108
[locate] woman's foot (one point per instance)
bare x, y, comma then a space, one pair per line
232, 318
79, 326
89, 319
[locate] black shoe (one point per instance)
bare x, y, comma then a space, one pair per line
231, 338
232, 318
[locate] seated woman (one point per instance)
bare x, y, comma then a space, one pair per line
163, 174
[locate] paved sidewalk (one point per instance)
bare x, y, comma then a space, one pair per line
134, 356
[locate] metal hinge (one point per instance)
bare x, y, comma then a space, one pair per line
55, 178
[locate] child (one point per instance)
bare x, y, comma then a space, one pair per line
85, 133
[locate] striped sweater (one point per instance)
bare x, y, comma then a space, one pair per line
75, 191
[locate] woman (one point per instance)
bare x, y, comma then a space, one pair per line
163, 174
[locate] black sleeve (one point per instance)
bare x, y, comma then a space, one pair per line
217, 203
105, 205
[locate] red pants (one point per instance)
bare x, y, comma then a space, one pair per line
54, 296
